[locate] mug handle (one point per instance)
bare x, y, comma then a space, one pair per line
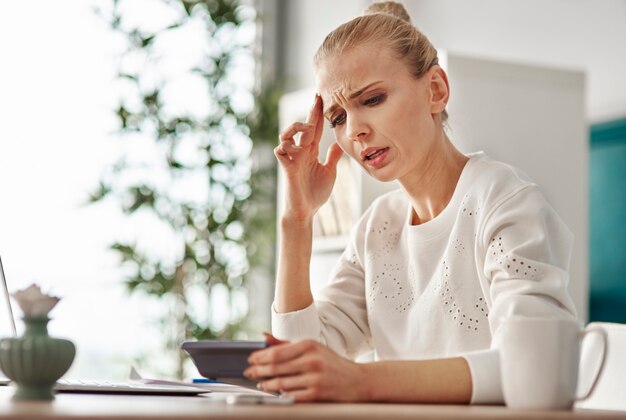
605, 342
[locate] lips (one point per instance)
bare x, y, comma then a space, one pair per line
374, 157
372, 153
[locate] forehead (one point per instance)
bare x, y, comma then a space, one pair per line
355, 68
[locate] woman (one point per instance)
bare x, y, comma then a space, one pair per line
431, 269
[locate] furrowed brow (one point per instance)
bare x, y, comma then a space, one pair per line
353, 95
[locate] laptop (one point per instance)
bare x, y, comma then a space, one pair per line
8, 329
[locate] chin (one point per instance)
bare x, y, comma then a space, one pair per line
382, 175
385, 179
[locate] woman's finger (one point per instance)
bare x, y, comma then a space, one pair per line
282, 154
302, 395
293, 129
281, 353
313, 111
291, 367
287, 383
333, 155
319, 123
271, 340
287, 149
316, 120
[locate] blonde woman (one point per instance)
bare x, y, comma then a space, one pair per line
431, 269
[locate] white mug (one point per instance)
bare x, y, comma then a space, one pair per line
539, 360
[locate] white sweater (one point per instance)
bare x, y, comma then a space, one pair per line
442, 288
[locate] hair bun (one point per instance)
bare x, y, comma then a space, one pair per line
392, 8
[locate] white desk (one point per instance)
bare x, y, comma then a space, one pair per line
91, 406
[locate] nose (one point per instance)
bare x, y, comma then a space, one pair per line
356, 127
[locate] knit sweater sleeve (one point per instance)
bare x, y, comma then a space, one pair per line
338, 317
524, 254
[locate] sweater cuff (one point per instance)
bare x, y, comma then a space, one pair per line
297, 325
486, 382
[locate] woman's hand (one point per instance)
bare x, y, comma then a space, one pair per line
307, 371
308, 181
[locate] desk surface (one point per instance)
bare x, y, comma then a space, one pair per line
91, 406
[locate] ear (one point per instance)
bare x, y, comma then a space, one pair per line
439, 89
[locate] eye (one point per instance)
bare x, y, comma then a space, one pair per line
374, 100
337, 120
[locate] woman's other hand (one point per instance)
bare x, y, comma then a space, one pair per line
308, 181
307, 371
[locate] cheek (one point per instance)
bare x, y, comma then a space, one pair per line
412, 119
410, 110
345, 144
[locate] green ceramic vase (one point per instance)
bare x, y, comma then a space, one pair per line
35, 361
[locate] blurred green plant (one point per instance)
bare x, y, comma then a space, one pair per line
196, 175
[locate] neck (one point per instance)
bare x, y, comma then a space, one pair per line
431, 184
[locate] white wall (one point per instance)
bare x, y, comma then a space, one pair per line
588, 35
306, 23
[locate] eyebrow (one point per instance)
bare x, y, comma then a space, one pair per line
353, 95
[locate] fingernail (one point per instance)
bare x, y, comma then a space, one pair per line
259, 386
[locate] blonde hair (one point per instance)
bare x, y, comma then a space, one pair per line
386, 23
